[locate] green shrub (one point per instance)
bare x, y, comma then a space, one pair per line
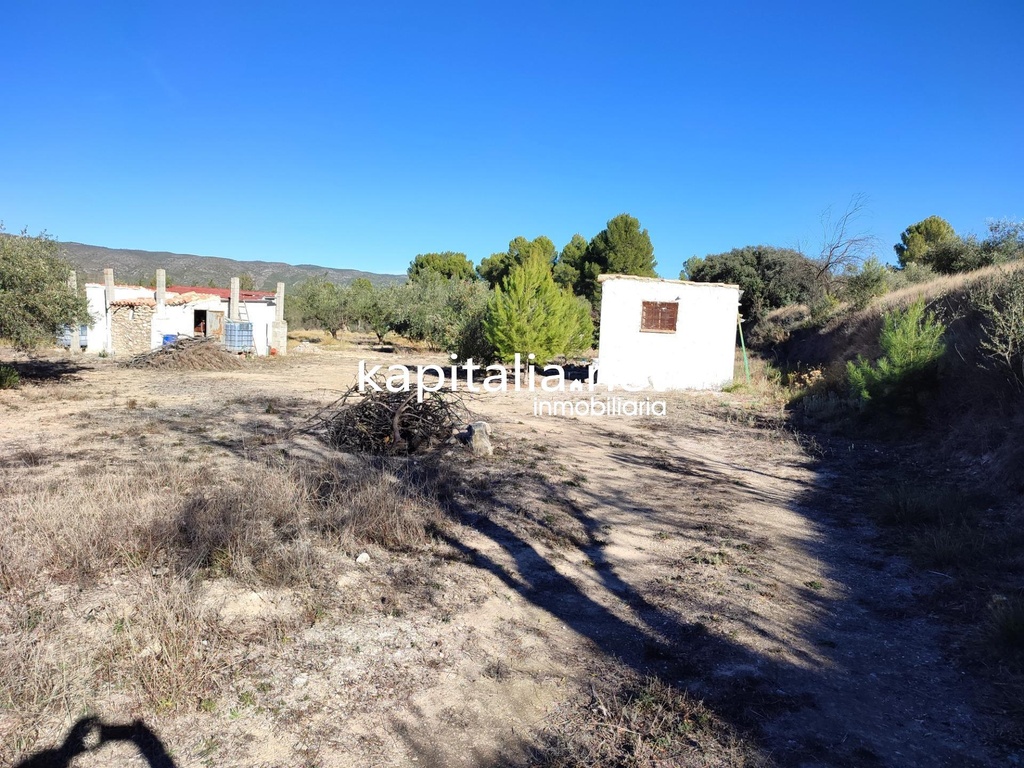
472, 342
1001, 302
9, 377
866, 283
769, 277
823, 309
910, 274
911, 342
954, 546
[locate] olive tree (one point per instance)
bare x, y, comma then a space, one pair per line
36, 301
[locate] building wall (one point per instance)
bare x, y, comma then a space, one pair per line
261, 314
180, 319
173, 319
130, 329
700, 354
96, 337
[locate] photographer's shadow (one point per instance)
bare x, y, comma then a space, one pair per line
90, 734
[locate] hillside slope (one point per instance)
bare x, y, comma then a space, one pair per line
132, 266
969, 414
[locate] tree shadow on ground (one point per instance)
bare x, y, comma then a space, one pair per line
835, 704
43, 369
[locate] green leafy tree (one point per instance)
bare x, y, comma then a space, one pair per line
529, 313
579, 327
911, 343
35, 299
570, 262
1005, 240
496, 267
769, 277
320, 304
246, 282
472, 342
1004, 243
435, 310
449, 265
376, 308
621, 248
918, 239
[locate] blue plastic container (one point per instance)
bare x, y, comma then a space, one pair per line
170, 338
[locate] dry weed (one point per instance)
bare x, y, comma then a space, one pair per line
394, 505
252, 528
167, 651
76, 527
641, 723
39, 671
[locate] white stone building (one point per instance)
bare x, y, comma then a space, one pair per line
129, 319
666, 334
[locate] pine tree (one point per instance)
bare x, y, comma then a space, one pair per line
528, 313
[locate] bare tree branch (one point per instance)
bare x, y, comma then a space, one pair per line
843, 243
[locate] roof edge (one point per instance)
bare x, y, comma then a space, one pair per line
638, 278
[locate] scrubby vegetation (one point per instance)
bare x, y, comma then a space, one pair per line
932, 371
9, 377
911, 346
926, 361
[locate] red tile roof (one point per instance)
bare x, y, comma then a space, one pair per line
224, 293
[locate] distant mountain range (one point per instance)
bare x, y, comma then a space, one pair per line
139, 268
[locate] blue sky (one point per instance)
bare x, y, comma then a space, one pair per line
360, 134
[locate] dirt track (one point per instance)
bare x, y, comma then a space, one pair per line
719, 557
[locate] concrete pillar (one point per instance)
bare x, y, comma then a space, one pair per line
76, 346
233, 302
161, 290
279, 328
108, 283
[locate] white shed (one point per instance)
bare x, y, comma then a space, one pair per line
666, 334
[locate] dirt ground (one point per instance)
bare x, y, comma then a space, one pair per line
706, 548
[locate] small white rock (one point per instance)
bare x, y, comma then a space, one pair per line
363, 558
300, 681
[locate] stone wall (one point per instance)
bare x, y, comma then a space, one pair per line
131, 330
279, 336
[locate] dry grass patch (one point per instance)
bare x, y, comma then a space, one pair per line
628, 721
252, 528
393, 504
940, 286
76, 527
39, 672
166, 650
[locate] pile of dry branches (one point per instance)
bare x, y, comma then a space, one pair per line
198, 354
390, 423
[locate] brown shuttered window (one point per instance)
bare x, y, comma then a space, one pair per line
659, 316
